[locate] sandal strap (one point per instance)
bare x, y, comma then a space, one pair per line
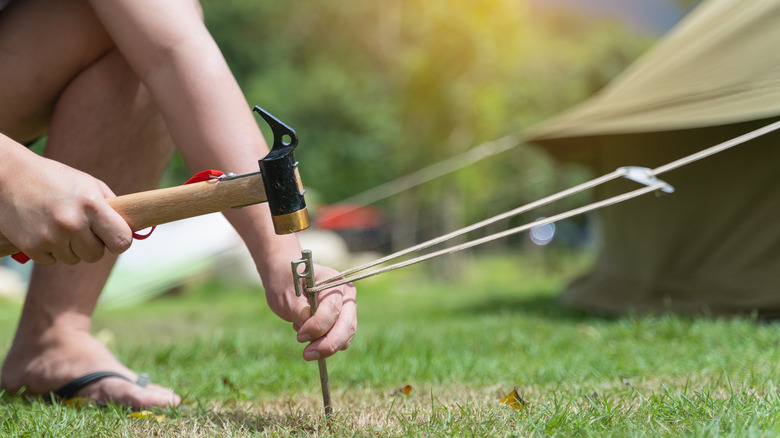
71, 388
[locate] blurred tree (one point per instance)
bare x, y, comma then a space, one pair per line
476, 72
313, 65
380, 89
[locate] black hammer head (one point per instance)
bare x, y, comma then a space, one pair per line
281, 178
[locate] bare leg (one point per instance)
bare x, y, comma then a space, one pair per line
103, 122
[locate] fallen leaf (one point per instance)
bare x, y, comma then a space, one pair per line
147, 415
405, 391
514, 400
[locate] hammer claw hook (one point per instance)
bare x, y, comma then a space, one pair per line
280, 172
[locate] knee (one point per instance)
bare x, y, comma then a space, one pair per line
199, 8
141, 117
108, 103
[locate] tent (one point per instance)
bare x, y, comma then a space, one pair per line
714, 245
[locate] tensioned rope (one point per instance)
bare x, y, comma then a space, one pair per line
429, 173
647, 176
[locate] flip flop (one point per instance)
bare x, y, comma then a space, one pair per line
70, 389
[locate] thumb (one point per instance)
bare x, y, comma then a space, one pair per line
109, 225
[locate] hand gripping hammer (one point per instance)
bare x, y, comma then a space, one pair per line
278, 183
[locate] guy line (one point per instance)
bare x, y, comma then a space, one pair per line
651, 185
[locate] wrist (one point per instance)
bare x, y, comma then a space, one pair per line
15, 159
271, 253
12, 155
273, 262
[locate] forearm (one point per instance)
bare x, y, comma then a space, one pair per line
14, 158
206, 113
272, 253
15, 163
171, 51
204, 109
225, 138
215, 129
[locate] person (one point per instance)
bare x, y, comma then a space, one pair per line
114, 84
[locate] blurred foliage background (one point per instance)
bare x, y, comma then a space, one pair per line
377, 90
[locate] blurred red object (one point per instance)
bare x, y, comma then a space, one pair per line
349, 216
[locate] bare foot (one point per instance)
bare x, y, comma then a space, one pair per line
45, 364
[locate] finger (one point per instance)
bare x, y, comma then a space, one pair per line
111, 229
47, 249
327, 313
326, 347
37, 254
64, 253
87, 246
338, 338
41, 258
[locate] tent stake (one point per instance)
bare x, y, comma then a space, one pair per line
308, 276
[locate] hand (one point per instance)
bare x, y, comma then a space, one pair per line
53, 212
333, 325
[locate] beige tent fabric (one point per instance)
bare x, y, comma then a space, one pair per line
714, 245
720, 65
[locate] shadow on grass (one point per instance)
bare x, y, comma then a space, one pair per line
248, 417
541, 306
549, 307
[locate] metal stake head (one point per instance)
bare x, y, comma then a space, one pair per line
307, 274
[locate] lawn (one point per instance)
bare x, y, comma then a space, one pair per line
461, 345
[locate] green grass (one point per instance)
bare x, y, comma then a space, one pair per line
461, 345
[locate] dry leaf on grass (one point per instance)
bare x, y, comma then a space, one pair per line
404, 390
514, 400
147, 415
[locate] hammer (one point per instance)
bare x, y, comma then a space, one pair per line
278, 183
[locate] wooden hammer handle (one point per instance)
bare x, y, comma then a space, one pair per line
154, 207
